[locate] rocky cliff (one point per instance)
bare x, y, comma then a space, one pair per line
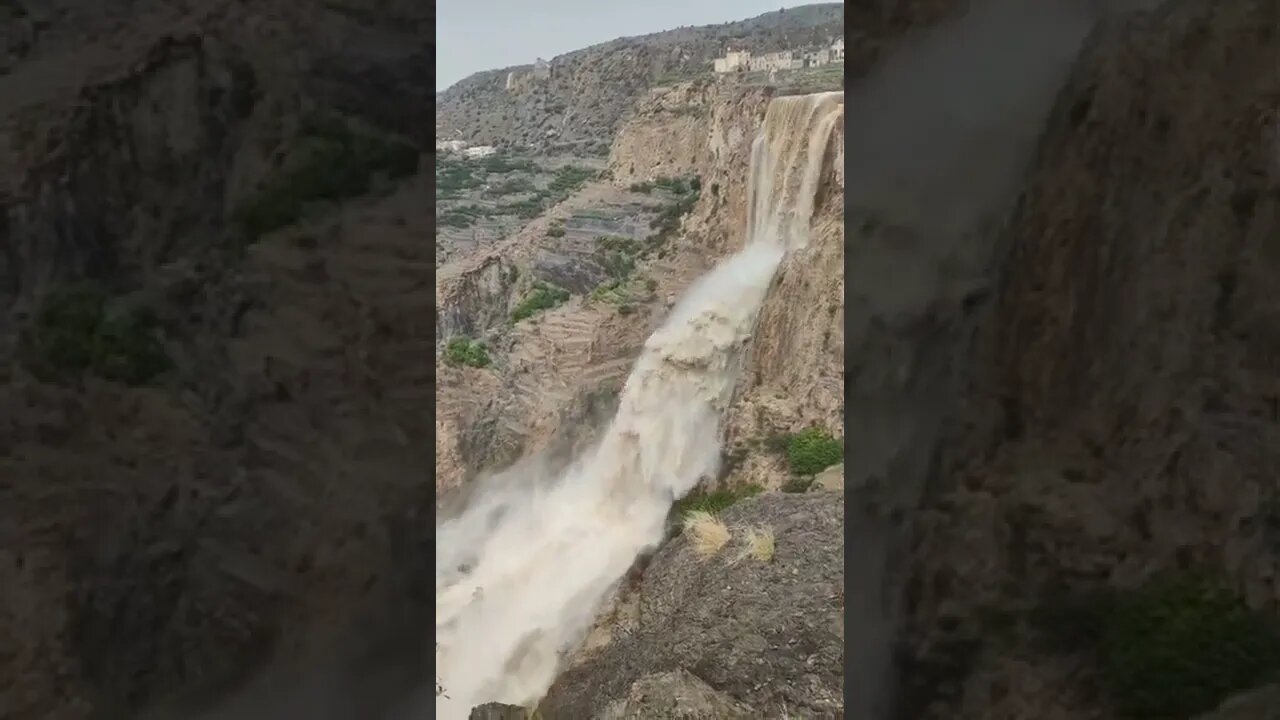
210, 235
1121, 425
1058, 402
533, 378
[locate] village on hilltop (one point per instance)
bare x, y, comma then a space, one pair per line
744, 61
734, 61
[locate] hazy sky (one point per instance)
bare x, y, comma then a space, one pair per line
474, 35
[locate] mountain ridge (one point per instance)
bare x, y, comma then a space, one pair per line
591, 90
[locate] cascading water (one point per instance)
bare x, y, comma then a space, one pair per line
523, 570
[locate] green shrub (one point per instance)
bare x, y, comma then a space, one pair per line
568, 179
555, 229
624, 245
617, 256
714, 501
461, 216
465, 351
812, 451
544, 296
453, 177
524, 209
329, 161
668, 221
613, 292
74, 334
1177, 647
619, 266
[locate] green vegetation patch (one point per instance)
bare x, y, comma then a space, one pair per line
667, 223
613, 292
543, 296
1177, 647
499, 164
524, 209
461, 216
465, 351
330, 160
454, 176
809, 451
567, 180
617, 255
714, 501
74, 334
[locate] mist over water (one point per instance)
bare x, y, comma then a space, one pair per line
525, 567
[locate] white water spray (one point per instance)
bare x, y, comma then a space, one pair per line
522, 572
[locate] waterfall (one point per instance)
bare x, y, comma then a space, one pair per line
523, 570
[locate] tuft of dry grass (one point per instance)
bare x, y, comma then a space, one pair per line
760, 544
707, 532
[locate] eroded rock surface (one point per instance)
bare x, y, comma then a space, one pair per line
1122, 398
764, 634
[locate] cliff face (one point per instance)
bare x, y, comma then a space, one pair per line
185, 402
1124, 389
570, 360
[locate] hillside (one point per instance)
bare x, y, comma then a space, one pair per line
590, 91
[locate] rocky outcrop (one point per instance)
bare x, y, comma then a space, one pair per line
672, 695
498, 711
751, 637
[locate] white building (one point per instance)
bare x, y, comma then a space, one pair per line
733, 60
773, 61
479, 151
816, 58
